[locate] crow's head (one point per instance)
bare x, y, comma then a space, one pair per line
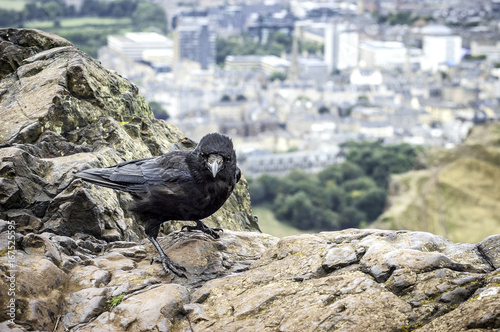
216, 153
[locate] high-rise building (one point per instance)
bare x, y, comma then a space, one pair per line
382, 54
194, 40
341, 47
440, 46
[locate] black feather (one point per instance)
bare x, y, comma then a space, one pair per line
179, 185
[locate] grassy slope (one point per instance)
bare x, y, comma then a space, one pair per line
268, 223
458, 197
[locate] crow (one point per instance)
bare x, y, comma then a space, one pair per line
180, 185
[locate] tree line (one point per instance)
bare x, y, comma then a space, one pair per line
276, 44
345, 195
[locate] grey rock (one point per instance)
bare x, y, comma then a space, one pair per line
490, 248
283, 287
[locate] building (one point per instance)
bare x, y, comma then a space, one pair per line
490, 49
311, 31
341, 47
440, 47
312, 69
194, 40
260, 26
243, 62
366, 77
376, 130
267, 64
382, 54
271, 64
282, 163
134, 44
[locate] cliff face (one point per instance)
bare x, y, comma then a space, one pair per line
72, 258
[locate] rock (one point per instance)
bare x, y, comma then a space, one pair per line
62, 111
84, 305
249, 281
490, 247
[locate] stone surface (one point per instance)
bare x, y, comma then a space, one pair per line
249, 281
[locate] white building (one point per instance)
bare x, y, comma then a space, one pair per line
267, 64
490, 49
341, 47
366, 77
312, 69
133, 44
382, 54
376, 130
440, 47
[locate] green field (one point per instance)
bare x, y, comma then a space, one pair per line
81, 22
268, 224
13, 4
86, 33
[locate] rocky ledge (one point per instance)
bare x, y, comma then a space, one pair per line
351, 280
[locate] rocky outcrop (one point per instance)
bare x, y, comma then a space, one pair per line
351, 280
62, 111
73, 259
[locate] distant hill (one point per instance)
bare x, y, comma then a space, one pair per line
457, 196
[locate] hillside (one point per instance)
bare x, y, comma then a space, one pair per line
458, 196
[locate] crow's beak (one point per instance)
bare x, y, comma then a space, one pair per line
214, 163
215, 168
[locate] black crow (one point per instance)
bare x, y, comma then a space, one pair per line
180, 185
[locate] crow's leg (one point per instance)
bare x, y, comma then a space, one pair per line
200, 226
167, 263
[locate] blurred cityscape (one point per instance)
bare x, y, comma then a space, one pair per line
415, 71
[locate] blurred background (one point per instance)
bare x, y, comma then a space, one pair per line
356, 113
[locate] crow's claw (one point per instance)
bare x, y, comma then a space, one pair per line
170, 266
200, 226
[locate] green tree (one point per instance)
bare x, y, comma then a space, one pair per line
225, 99
300, 212
372, 203
323, 110
335, 199
340, 173
351, 217
149, 16
277, 75
311, 47
10, 18
158, 110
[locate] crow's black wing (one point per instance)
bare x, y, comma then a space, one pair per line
136, 176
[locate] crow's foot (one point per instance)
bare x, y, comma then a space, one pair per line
200, 226
169, 266
167, 263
